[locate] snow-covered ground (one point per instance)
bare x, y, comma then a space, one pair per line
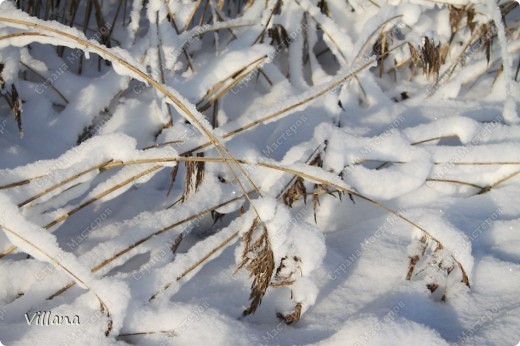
260, 172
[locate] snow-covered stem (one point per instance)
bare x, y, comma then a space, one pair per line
134, 245
68, 271
107, 53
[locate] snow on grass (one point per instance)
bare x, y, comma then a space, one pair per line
387, 172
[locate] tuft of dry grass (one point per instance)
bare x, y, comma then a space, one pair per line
292, 317
258, 258
429, 56
434, 262
295, 192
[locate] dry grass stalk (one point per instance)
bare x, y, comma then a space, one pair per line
101, 195
431, 58
194, 176
470, 16
2, 81
258, 258
143, 240
100, 20
220, 148
288, 108
500, 181
415, 56
192, 14
295, 189
173, 175
16, 103
170, 333
56, 262
279, 36
318, 188
53, 87
276, 9
114, 20
486, 39
195, 265
456, 15
482, 39
455, 182
88, 202
324, 8
254, 254
293, 317
185, 110
61, 183
373, 35
188, 184
86, 20
216, 216
222, 87
102, 167
199, 166
161, 68
112, 164
248, 238
415, 258
316, 201
339, 47
19, 183
214, 117
171, 19
295, 192
282, 277
429, 236
177, 243
437, 260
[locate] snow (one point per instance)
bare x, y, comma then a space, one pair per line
411, 14
291, 237
510, 114
42, 246
385, 329
387, 204
462, 127
134, 20
198, 86
383, 183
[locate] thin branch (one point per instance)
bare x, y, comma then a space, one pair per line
60, 94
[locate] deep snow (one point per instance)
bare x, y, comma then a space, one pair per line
85, 191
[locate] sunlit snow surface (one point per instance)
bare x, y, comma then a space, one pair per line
85, 191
